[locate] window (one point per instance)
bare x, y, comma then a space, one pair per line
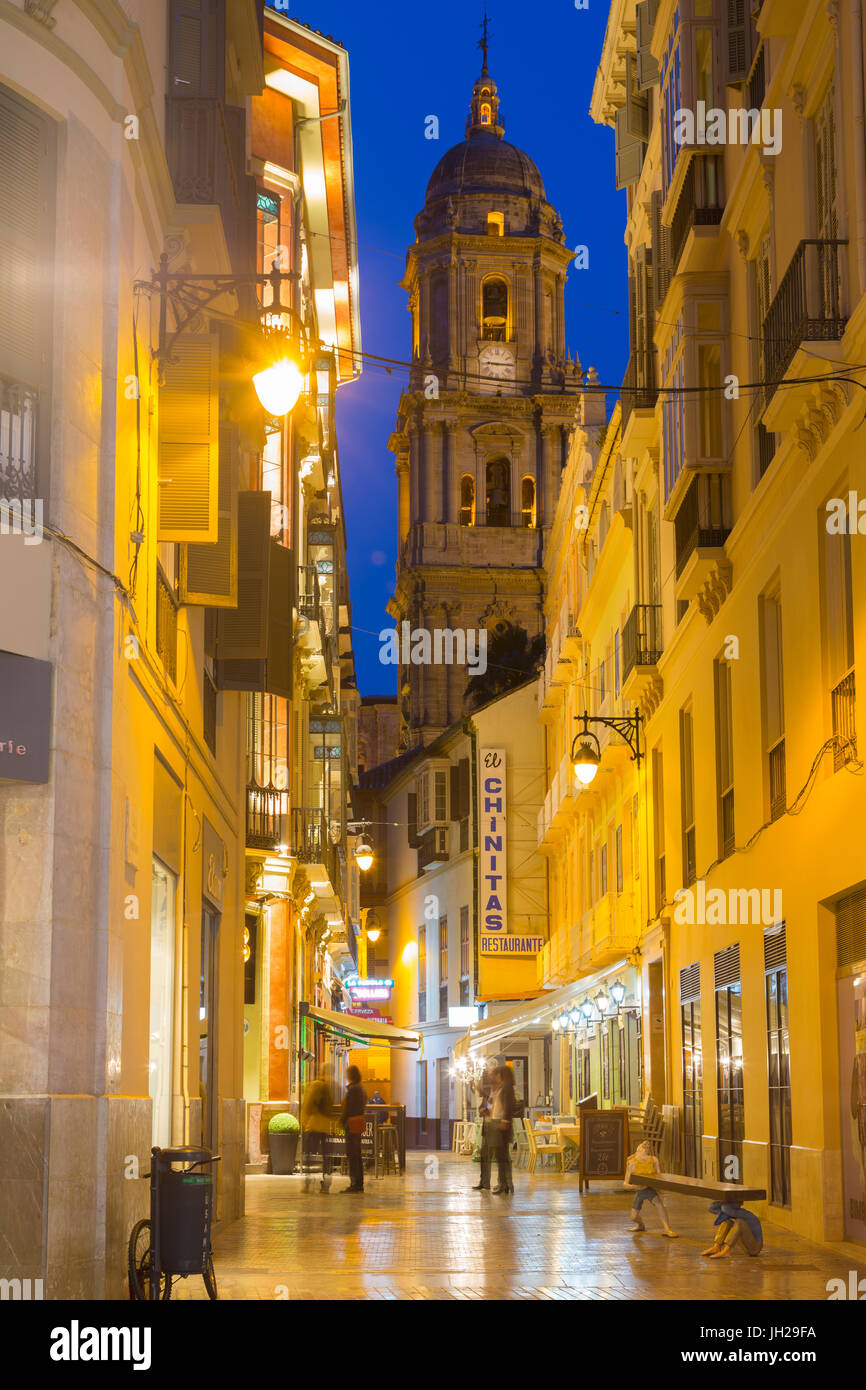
208, 1027
724, 757
485, 113
838, 617
693, 1084
162, 952
601, 691
440, 790
271, 252
527, 502
605, 1061
467, 500
498, 492
674, 427
729, 1059
616, 661
659, 828
464, 955
778, 1063
619, 859
443, 967
494, 309
496, 224
710, 400
825, 169
422, 973
603, 870
773, 701
440, 293
687, 789
423, 801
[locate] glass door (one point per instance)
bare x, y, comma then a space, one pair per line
162, 948
207, 1027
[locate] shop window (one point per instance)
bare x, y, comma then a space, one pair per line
687, 792
778, 1063
693, 1082
724, 758
467, 500
729, 1060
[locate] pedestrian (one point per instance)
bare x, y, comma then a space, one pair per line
733, 1223
317, 1113
498, 1134
643, 1163
354, 1105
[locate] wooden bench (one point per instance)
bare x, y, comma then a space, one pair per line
732, 1192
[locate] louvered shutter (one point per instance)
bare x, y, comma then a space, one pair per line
851, 929
27, 178
661, 256
464, 788
208, 574
278, 675
455, 791
726, 966
775, 947
643, 336
197, 48
188, 456
647, 65
242, 632
629, 152
636, 106
690, 983
738, 41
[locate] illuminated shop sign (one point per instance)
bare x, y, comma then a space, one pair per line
25, 718
368, 988
492, 861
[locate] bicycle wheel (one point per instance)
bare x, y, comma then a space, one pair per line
209, 1277
139, 1257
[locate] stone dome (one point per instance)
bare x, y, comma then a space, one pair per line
484, 163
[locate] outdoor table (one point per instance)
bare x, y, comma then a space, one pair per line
569, 1134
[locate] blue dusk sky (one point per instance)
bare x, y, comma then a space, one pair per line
409, 61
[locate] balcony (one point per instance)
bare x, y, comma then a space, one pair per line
844, 727
701, 527
639, 393
606, 933
641, 650
264, 817
316, 634
19, 409
700, 204
205, 146
311, 842
433, 848
807, 307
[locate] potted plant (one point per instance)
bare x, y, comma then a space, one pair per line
284, 1131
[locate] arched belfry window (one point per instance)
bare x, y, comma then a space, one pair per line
467, 500
498, 492
527, 502
494, 309
485, 113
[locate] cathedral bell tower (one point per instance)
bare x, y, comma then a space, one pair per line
482, 431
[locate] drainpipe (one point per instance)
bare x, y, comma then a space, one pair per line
859, 138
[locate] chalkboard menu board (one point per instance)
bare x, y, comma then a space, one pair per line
603, 1144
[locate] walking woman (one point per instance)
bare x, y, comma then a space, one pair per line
354, 1105
499, 1134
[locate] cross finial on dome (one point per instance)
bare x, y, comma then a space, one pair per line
484, 111
483, 42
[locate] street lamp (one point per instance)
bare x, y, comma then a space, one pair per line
602, 1002
587, 1008
364, 859
373, 934
586, 749
617, 992
279, 386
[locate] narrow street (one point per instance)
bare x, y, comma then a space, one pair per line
429, 1236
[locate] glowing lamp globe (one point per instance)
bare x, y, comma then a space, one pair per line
364, 858
279, 386
585, 762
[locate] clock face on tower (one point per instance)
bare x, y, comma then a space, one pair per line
496, 362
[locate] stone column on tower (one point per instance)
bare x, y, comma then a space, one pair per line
432, 470
538, 304
402, 471
415, 500
450, 473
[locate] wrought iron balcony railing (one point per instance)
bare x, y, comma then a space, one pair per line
264, 816
311, 841
844, 728
642, 637
701, 202
778, 792
19, 408
807, 306
702, 519
639, 391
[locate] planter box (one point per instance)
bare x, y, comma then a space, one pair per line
283, 1150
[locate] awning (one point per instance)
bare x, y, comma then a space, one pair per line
363, 1029
534, 1013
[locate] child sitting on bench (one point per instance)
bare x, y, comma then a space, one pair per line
734, 1224
643, 1163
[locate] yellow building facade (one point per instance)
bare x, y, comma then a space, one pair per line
747, 269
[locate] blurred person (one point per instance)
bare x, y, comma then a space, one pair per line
354, 1105
501, 1129
317, 1113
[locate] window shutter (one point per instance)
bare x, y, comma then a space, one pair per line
197, 48
636, 106
738, 41
629, 152
241, 635
464, 788
661, 275
188, 458
647, 65
27, 176
851, 929
208, 574
726, 966
690, 983
278, 676
455, 791
413, 820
